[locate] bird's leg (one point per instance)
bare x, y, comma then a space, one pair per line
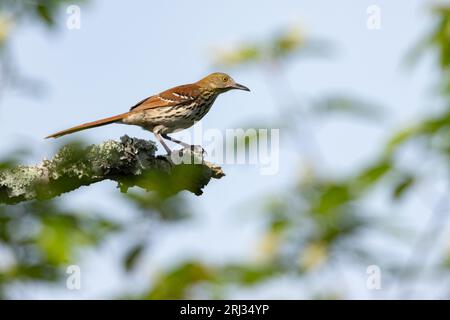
184, 144
193, 148
158, 136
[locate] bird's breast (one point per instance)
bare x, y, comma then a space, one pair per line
172, 118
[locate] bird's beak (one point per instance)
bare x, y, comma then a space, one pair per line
240, 87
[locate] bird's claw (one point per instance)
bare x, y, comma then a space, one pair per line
198, 149
192, 152
189, 154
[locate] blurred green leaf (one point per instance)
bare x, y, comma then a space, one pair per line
286, 42
44, 12
246, 274
427, 128
372, 174
244, 54
282, 45
404, 184
170, 209
332, 196
132, 257
176, 282
346, 105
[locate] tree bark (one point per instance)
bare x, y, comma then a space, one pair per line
130, 162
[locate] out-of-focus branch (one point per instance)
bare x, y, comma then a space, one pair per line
131, 162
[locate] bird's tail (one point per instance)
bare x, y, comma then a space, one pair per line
89, 125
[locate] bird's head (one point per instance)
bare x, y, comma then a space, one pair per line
220, 82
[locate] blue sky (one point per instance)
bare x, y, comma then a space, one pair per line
126, 52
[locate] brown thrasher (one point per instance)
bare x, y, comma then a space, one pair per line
171, 110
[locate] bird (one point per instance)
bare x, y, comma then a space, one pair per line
170, 111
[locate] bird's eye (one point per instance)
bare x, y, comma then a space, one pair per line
225, 79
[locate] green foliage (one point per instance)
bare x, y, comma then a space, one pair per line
166, 208
176, 282
310, 225
132, 256
371, 175
440, 36
13, 14
406, 181
284, 44
438, 41
341, 104
42, 11
319, 220
43, 239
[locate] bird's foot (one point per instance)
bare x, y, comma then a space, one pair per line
198, 149
189, 155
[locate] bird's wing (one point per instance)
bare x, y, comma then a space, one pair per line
180, 95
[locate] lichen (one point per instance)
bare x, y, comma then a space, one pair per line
130, 162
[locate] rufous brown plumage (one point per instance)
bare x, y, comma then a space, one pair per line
172, 110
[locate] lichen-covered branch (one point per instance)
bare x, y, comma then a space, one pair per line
130, 162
